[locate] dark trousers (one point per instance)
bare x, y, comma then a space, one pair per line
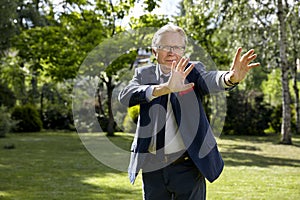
179, 181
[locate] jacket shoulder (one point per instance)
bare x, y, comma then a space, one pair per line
146, 68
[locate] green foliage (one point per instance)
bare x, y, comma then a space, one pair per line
276, 119
134, 112
148, 20
7, 97
28, 117
7, 26
13, 75
55, 107
246, 115
57, 116
49, 51
6, 123
124, 61
131, 119
271, 87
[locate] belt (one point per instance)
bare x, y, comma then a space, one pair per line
181, 159
171, 158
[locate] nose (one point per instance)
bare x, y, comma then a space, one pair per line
171, 49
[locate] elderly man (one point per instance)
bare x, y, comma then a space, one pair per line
174, 144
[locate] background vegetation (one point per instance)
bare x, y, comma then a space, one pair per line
43, 43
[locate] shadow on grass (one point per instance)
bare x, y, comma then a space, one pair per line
58, 166
272, 138
236, 157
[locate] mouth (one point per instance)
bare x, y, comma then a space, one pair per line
170, 61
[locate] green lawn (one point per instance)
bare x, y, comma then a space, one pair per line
48, 166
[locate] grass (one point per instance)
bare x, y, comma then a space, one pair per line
53, 166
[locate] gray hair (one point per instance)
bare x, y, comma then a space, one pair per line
168, 28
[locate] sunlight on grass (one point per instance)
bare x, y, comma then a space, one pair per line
57, 166
4, 194
257, 168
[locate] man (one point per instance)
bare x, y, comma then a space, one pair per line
174, 144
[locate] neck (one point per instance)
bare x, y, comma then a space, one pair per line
165, 69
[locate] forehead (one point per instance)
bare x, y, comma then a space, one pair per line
171, 38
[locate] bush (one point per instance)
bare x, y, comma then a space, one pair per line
28, 117
131, 119
7, 97
276, 119
58, 117
133, 113
6, 123
246, 116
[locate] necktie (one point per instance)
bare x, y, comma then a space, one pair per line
160, 139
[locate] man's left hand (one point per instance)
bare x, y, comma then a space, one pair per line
241, 65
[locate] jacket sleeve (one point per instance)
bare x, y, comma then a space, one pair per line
208, 81
135, 92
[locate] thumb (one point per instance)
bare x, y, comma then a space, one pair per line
173, 65
188, 86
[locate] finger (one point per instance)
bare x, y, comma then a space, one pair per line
182, 63
237, 55
189, 69
178, 64
252, 57
173, 66
185, 63
188, 86
249, 53
253, 65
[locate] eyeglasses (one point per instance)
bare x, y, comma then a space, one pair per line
176, 49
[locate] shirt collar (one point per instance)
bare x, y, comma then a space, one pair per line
161, 72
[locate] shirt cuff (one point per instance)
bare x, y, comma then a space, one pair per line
224, 84
149, 92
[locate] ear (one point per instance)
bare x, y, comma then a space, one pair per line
154, 52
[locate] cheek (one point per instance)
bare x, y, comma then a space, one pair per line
178, 58
160, 57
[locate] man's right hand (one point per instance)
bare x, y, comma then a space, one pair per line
178, 76
176, 82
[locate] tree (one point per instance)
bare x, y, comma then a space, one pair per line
286, 101
293, 24
117, 54
7, 24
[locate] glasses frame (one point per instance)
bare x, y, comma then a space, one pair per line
168, 48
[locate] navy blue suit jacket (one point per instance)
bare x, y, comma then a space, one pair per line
193, 124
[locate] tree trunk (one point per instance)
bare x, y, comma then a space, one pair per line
286, 99
99, 106
296, 91
111, 121
294, 38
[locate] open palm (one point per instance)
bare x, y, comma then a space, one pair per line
241, 65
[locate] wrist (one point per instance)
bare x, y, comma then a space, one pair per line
228, 81
160, 90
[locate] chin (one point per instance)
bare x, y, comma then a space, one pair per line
166, 68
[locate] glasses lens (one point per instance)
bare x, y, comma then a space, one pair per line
176, 49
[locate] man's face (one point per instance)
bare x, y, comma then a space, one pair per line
170, 48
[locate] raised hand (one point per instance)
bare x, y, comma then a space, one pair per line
241, 65
178, 76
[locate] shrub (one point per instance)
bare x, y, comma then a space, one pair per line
276, 119
246, 116
28, 117
131, 119
58, 116
5, 121
7, 97
133, 113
